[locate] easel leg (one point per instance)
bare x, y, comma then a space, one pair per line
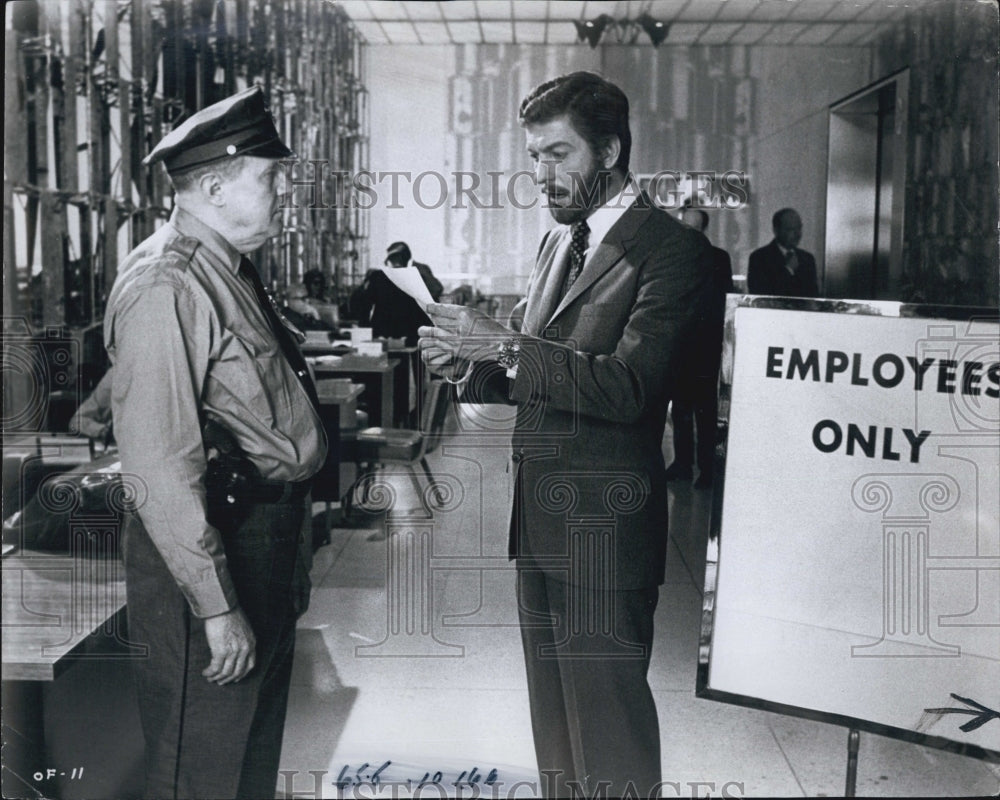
853, 742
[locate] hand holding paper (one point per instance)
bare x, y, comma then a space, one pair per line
459, 335
466, 321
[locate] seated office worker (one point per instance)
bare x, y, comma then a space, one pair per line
614, 294
214, 579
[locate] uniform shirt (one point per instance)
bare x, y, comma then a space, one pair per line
189, 341
93, 417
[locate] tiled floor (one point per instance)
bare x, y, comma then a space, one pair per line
410, 654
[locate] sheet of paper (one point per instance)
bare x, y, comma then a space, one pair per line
408, 279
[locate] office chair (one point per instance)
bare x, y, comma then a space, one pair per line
378, 447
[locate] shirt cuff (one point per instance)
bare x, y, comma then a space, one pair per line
213, 596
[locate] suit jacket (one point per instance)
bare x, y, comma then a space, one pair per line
592, 388
389, 311
767, 274
706, 351
433, 284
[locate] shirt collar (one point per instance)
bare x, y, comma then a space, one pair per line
784, 250
187, 224
605, 216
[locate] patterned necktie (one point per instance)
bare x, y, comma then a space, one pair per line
579, 231
285, 341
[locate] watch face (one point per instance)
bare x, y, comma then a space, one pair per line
507, 353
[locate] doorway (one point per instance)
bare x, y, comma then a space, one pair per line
865, 186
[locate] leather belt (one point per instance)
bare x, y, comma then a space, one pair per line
267, 491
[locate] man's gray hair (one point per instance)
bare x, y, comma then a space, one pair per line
225, 168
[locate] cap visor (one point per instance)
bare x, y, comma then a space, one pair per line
272, 149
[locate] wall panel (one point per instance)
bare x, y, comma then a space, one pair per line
92, 85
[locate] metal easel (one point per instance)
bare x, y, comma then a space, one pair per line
853, 743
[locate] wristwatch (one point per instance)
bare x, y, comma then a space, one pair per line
508, 355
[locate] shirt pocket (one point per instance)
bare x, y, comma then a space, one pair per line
250, 369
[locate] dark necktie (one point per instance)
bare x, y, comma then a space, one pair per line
791, 262
285, 341
579, 231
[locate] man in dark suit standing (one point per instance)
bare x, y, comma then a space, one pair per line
398, 255
611, 303
782, 267
694, 406
390, 312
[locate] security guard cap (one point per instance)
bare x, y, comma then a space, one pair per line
238, 125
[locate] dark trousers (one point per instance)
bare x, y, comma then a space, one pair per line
592, 711
204, 740
695, 406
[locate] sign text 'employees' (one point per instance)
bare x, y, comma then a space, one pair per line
887, 371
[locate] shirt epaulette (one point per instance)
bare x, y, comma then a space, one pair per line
183, 245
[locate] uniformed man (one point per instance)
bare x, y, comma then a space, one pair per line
214, 566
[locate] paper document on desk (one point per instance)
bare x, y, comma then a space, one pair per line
409, 280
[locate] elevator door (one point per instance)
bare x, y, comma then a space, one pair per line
864, 201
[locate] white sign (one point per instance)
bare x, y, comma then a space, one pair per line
859, 540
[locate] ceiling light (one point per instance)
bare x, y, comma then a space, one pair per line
654, 28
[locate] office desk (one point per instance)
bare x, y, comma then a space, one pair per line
377, 376
78, 736
407, 385
52, 603
329, 482
409, 395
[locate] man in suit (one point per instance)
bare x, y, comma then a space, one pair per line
612, 300
781, 267
694, 406
390, 312
398, 255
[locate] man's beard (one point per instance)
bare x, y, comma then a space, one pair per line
588, 190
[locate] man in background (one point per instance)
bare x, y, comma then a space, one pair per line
314, 282
611, 305
380, 304
398, 255
215, 563
782, 267
694, 405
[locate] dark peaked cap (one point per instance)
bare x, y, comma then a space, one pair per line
239, 125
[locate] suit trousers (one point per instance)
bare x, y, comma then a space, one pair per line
204, 740
592, 712
695, 407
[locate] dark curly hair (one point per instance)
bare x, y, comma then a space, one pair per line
597, 110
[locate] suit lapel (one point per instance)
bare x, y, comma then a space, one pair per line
546, 284
607, 253
604, 257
